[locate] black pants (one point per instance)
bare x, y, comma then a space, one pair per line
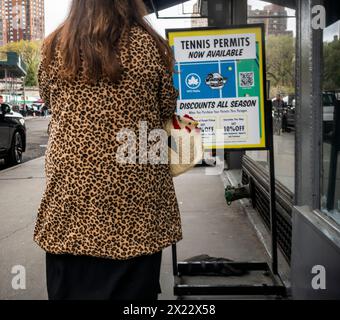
87, 278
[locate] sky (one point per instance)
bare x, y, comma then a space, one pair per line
56, 12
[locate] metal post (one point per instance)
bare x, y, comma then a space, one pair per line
174, 260
24, 91
239, 12
272, 186
219, 13
239, 15
222, 13
308, 146
6, 82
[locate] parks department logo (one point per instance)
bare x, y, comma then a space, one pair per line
193, 81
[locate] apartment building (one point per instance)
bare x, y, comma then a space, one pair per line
21, 20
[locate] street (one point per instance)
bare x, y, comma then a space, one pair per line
37, 139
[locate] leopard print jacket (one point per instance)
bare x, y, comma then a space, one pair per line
93, 205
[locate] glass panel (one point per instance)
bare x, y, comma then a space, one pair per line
280, 29
330, 200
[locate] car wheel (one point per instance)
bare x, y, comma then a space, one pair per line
16, 152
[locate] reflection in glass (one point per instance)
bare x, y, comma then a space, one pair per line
330, 200
280, 29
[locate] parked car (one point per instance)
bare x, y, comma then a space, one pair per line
12, 135
328, 102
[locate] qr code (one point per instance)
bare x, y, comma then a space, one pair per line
246, 79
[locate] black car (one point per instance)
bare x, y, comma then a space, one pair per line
328, 103
12, 135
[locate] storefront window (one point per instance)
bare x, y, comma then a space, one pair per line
280, 30
330, 200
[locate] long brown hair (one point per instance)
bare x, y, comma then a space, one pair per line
89, 38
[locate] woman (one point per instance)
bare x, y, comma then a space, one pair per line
104, 223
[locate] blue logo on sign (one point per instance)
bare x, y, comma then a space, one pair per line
193, 81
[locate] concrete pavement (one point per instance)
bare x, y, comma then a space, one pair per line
20, 193
210, 227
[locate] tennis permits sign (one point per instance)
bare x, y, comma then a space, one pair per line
227, 47
221, 83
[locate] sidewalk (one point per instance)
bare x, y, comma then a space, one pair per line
209, 225
20, 193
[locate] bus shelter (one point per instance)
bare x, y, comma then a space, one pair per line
307, 202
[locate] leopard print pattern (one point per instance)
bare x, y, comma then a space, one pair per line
93, 205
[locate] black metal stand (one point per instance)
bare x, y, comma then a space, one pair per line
195, 269
273, 213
